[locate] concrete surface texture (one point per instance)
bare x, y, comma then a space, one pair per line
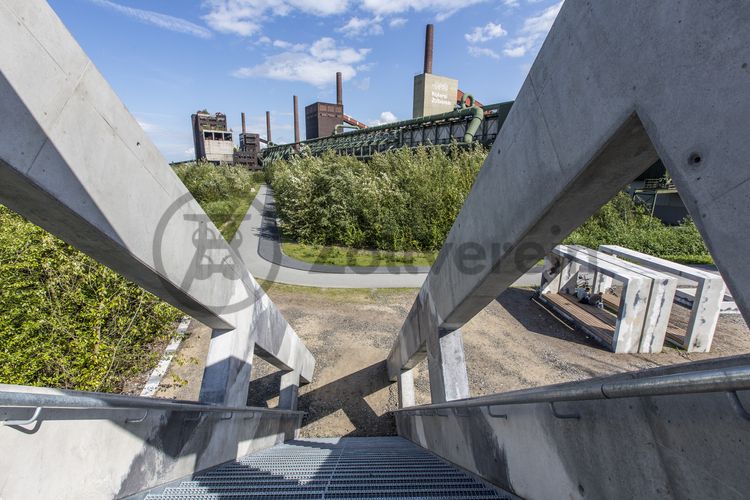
85, 187
661, 298
680, 446
613, 88
433, 95
709, 294
78, 164
104, 453
636, 290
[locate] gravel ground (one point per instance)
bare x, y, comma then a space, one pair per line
512, 344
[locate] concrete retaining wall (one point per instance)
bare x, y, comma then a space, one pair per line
77, 454
686, 446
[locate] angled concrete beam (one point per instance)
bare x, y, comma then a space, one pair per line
77, 163
615, 86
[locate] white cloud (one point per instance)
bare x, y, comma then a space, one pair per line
510, 3
385, 117
157, 19
485, 33
397, 22
442, 8
315, 66
243, 17
362, 83
533, 32
294, 47
482, 51
357, 26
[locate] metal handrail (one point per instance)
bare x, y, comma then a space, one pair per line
716, 380
100, 401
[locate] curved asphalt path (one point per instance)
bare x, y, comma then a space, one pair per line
257, 243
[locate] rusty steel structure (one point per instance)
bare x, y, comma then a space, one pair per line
470, 125
428, 41
296, 120
268, 128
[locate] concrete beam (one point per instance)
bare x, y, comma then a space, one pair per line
106, 453
289, 390
615, 86
78, 164
447, 366
677, 446
406, 392
704, 313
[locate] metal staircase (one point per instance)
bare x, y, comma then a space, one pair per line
379, 467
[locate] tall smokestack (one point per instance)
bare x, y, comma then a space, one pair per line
296, 122
339, 89
268, 126
428, 49
244, 130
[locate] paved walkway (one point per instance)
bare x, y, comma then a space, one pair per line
257, 243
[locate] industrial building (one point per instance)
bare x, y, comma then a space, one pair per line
214, 142
211, 138
324, 119
249, 150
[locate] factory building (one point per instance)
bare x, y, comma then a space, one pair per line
433, 94
249, 150
323, 118
211, 138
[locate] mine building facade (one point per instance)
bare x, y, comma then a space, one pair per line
211, 138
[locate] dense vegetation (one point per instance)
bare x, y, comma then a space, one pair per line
67, 321
407, 201
225, 192
401, 200
623, 222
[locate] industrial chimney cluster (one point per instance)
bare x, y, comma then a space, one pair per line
433, 94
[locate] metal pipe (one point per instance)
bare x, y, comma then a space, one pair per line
473, 126
268, 127
428, 39
341, 126
718, 380
339, 89
244, 130
92, 400
296, 121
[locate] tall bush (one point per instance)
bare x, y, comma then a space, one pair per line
67, 321
408, 200
400, 200
626, 223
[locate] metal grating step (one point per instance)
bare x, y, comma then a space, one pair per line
367, 468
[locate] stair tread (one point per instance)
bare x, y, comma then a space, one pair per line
370, 468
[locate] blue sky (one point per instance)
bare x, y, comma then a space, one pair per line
168, 58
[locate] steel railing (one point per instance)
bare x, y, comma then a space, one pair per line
73, 400
728, 380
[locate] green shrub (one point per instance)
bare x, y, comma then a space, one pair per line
623, 222
400, 200
407, 200
67, 321
224, 192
